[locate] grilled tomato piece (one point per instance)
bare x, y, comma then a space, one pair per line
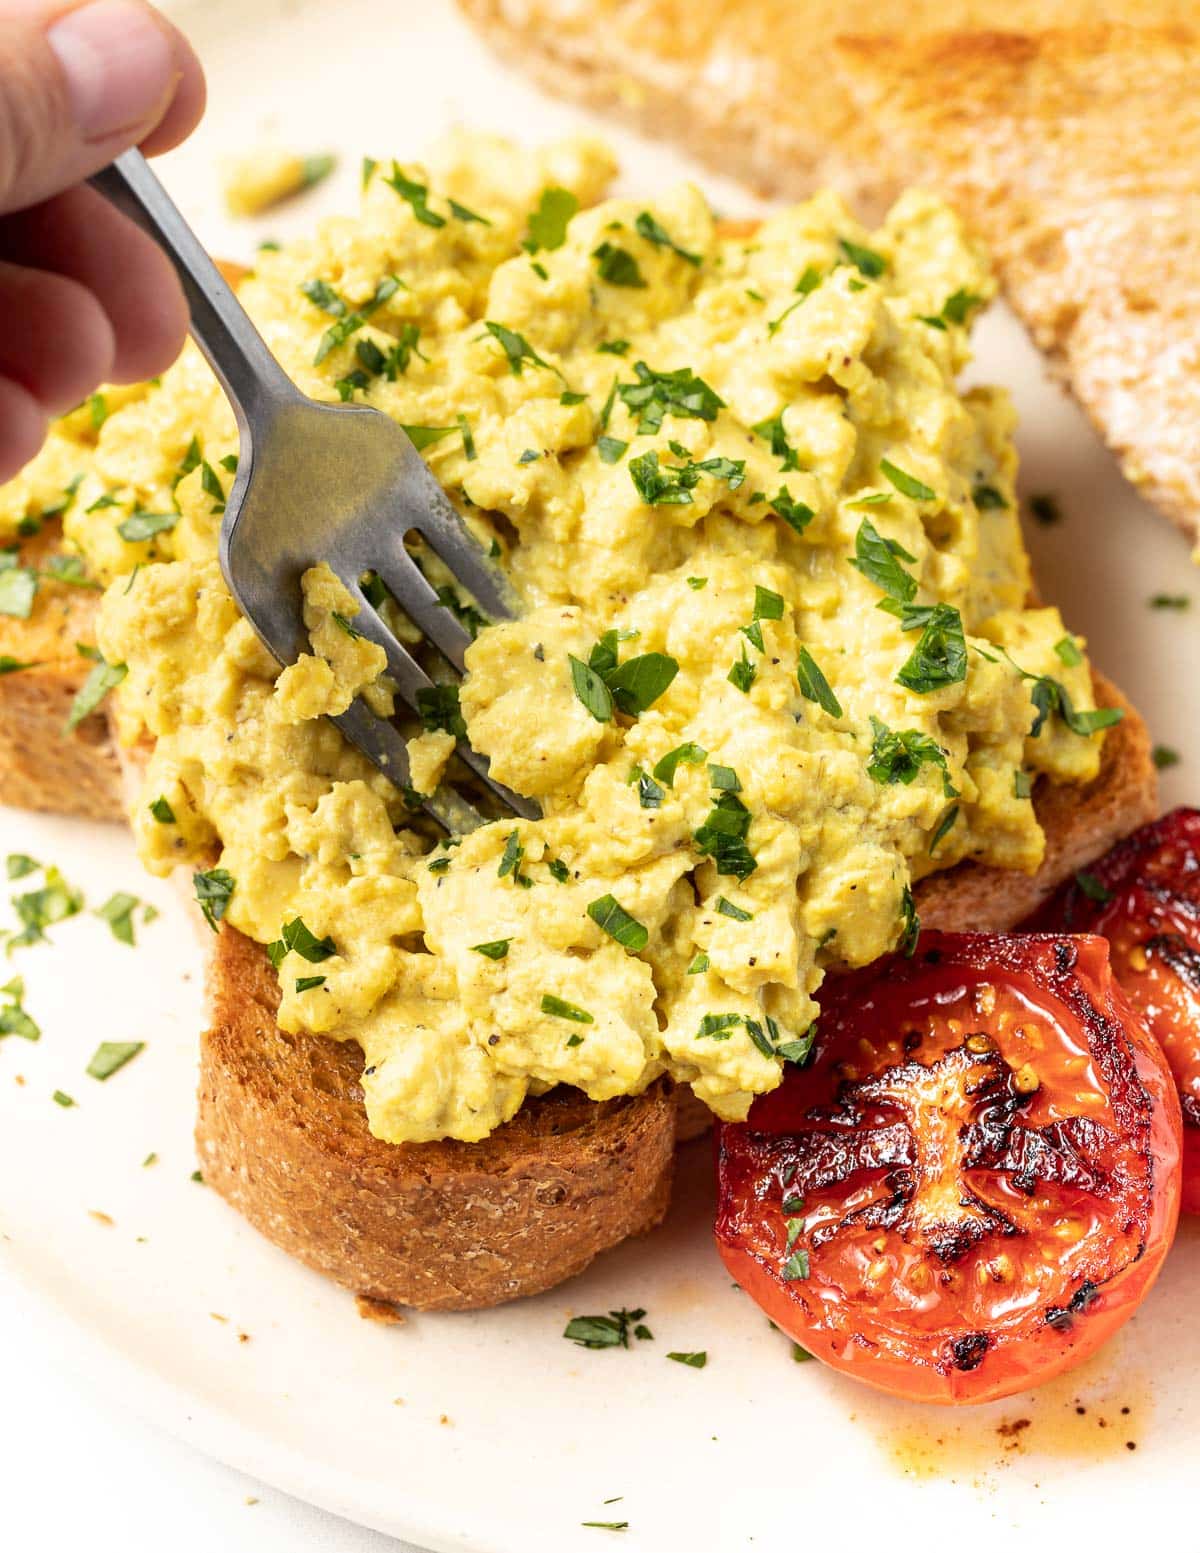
974, 1180
1144, 897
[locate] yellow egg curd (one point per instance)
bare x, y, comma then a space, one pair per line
774, 663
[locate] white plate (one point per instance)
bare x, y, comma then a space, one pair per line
507, 1437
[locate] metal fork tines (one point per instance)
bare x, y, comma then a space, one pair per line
315, 482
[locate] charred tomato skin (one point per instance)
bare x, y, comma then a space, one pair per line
936, 1328
1151, 918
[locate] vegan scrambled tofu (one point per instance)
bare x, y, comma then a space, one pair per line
774, 664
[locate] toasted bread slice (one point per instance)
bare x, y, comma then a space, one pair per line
282, 1135
749, 86
42, 765
1075, 151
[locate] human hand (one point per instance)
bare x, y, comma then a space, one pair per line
85, 297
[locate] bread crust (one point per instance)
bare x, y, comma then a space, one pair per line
282, 1136
42, 764
1075, 152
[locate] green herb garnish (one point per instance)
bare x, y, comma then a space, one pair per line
111, 1056
609, 915
814, 686
495, 950
213, 890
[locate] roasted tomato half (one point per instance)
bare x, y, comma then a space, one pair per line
974, 1180
1144, 897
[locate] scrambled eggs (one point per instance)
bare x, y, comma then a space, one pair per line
775, 661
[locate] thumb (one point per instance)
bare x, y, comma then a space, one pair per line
78, 85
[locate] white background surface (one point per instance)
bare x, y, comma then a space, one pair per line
538, 1434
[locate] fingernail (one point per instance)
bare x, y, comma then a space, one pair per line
118, 65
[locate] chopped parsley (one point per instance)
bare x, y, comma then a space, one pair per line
724, 779
987, 497
865, 260
39, 909
468, 441
558, 869
141, 526
295, 937
558, 1008
213, 890
688, 753
717, 1027
945, 826
618, 267
1022, 784
910, 924
611, 449
1068, 652
654, 232
416, 195
878, 559
796, 514
723, 837
510, 858
743, 673
656, 394
726, 908
14, 1018
632, 686
772, 430
103, 678
610, 1331
19, 864
1164, 756
591, 690
897, 756
111, 1056
613, 348
940, 656
60, 1097
438, 708
1170, 601
423, 437
516, 348
695, 1361
547, 224
609, 915
348, 320
814, 686
118, 912
906, 484
497, 949
650, 795
673, 484
699, 964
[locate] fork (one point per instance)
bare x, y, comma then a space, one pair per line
322, 482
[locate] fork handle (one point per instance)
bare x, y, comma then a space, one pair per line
237, 353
